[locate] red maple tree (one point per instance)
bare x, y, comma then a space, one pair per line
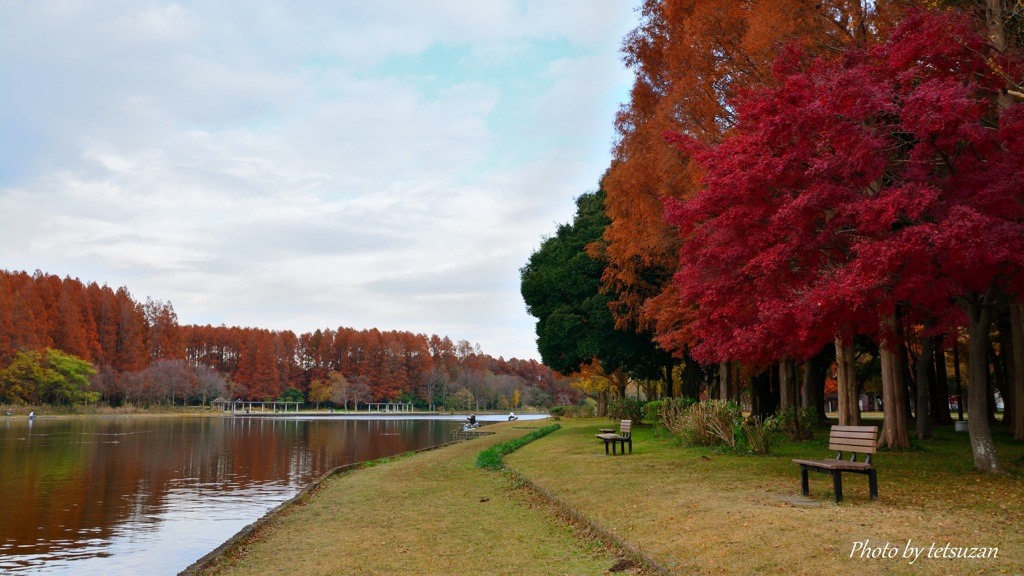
889, 177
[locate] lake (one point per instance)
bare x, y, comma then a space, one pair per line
153, 494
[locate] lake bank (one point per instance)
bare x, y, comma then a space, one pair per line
23, 411
693, 511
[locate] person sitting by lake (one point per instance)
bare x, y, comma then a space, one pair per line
512, 416
472, 419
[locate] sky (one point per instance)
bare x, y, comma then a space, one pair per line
306, 164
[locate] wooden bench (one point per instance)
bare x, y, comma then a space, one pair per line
623, 437
852, 439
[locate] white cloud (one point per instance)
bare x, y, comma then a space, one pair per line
308, 164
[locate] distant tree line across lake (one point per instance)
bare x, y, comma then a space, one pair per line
66, 342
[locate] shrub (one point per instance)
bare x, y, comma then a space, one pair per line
717, 423
672, 414
492, 457
797, 423
571, 411
582, 411
626, 409
652, 414
292, 395
709, 423
760, 434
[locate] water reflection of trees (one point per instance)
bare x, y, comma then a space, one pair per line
79, 483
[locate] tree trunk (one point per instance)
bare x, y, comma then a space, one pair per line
621, 382
763, 400
808, 389
940, 392
924, 386
789, 388
725, 384
894, 390
979, 314
691, 378
1008, 384
849, 410
712, 384
669, 393
815, 372
602, 403
1017, 385
961, 398
996, 376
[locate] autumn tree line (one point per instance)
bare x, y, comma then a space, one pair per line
804, 193
66, 342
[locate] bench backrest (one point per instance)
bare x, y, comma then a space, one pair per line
625, 427
861, 439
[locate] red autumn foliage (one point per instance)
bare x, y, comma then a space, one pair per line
889, 176
691, 59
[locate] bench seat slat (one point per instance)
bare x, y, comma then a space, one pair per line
852, 434
861, 446
855, 429
832, 464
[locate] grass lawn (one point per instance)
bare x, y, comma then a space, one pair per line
431, 513
698, 511
690, 510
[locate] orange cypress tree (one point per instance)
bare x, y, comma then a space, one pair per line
27, 315
131, 353
166, 341
103, 305
7, 348
691, 58
73, 334
257, 364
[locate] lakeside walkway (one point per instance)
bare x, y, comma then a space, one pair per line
692, 511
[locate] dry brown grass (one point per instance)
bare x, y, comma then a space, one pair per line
701, 512
432, 513
693, 511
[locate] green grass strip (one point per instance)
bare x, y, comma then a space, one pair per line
492, 457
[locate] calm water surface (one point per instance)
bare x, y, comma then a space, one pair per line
151, 495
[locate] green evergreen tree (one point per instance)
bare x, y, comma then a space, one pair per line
65, 380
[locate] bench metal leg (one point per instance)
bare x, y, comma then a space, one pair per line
837, 485
630, 446
804, 485
606, 447
873, 484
